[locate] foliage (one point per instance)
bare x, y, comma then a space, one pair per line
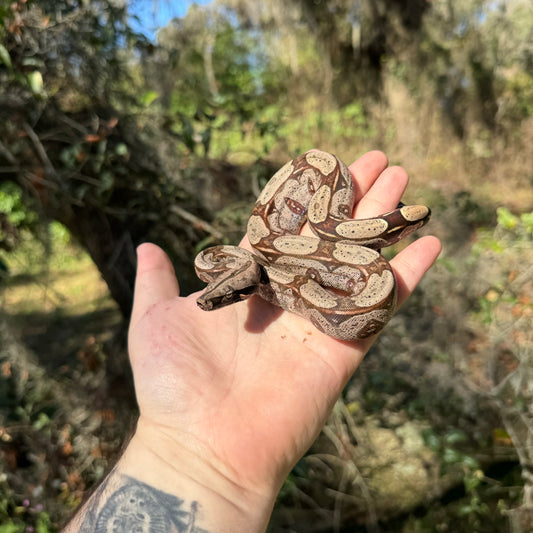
15, 216
28, 519
118, 140
507, 309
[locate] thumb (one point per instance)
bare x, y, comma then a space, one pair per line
155, 281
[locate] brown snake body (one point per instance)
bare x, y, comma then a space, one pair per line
338, 280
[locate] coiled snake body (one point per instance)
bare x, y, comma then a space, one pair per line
338, 280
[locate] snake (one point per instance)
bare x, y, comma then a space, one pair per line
337, 278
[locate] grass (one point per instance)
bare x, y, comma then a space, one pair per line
56, 412
62, 280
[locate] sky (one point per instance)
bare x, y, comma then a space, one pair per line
154, 14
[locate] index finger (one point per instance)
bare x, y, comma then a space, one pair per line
412, 263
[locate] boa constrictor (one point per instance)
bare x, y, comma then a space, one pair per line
338, 280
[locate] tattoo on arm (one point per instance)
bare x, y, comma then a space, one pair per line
137, 507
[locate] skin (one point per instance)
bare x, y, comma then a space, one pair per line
231, 399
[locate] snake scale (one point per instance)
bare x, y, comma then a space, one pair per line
338, 279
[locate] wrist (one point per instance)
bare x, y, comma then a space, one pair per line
166, 484
184, 469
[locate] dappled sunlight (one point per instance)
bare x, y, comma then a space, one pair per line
115, 133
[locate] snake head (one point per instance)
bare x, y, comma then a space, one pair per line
220, 296
231, 287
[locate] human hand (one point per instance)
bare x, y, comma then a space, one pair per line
247, 388
229, 400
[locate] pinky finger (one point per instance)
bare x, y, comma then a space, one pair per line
412, 263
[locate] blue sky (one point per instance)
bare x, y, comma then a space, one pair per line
154, 14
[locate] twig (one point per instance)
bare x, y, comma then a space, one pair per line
74, 124
8, 155
39, 148
198, 222
351, 474
8, 170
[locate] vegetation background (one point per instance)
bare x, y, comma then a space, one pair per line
109, 138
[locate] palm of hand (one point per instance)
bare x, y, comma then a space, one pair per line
249, 392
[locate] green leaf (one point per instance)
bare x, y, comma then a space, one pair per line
33, 62
59, 233
452, 456
506, 219
431, 439
42, 421
121, 149
470, 462
107, 180
148, 97
454, 436
5, 58
69, 155
35, 80
44, 524
527, 220
471, 482
10, 527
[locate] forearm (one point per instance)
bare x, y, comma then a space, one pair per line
148, 492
